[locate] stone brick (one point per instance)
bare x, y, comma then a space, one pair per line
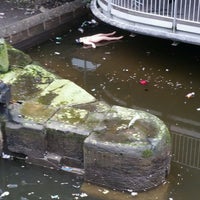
131, 153
27, 139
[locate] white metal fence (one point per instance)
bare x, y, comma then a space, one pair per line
180, 9
186, 150
172, 19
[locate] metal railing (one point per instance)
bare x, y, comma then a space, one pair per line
186, 150
171, 16
180, 9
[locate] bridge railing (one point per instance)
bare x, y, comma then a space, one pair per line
176, 15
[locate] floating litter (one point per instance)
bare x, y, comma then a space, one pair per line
6, 156
55, 197
57, 53
143, 82
190, 95
134, 194
12, 186
4, 194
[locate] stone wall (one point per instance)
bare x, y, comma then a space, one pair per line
56, 123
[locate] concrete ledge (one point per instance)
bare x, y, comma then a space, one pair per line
131, 153
32, 29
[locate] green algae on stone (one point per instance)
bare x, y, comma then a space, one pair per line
30, 81
67, 93
17, 58
33, 111
147, 153
70, 115
97, 107
10, 77
4, 61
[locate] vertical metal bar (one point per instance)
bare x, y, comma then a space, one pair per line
195, 153
198, 158
151, 6
189, 11
198, 11
174, 146
183, 150
131, 6
194, 10
179, 147
172, 9
174, 24
187, 152
147, 5
155, 6
161, 12
180, 10
142, 5
185, 6
191, 153
109, 8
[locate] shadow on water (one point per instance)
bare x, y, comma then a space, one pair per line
113, 72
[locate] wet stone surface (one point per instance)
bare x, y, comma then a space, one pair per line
139, 149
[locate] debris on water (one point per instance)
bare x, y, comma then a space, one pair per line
66, 168
134, 194
81, 30
76, 186
198, 109
58, 40
132, 35
30, 193
55, 197
4, 194
64, 183
57, 53
104, 191
143, 82
83, 195
6, 156
91, 23
12, 186
23, 198
190, 95
148, 53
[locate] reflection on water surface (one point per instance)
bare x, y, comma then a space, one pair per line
113, 73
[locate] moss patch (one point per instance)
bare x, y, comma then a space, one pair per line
147, 153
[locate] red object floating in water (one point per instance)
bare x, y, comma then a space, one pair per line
143, 82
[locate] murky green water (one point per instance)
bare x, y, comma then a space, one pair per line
27, 182
112, 72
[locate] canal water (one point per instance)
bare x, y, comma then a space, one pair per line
138, 72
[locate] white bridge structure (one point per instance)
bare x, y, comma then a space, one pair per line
176, 20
